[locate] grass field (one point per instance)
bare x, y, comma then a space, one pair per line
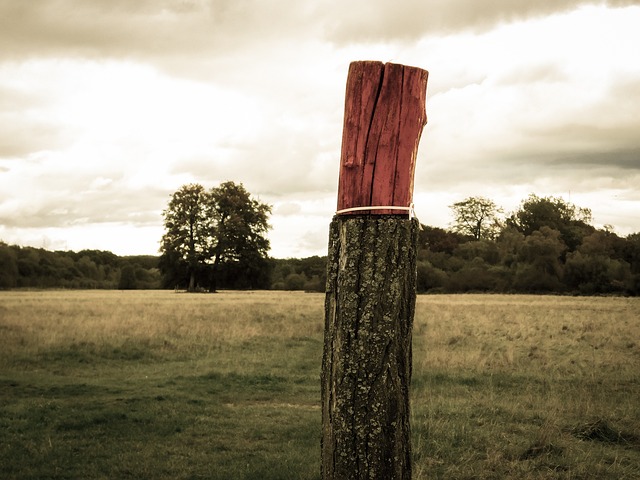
110, 384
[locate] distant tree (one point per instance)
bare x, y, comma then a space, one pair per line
247, 273
87, 267
487, 250
475, 276
148, 262
600, 264
314, 266
8, 267
28, 266
295, 281
173, 269
438, 239
509, 243
206, 230
147, 278
535, 212
477, 217
429, 277
127, 278
539, 265
632, 251
632, 256
100, 257
543, 249
591, 274
312, 271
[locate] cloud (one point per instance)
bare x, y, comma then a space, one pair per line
602, 131
64, 199
410, 20
143, 28
284, 150
107, 107
536, 105
182, 31
89, 28
25, 126
20, 138
288, 208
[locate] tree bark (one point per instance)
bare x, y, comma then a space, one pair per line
366, 367
192, 281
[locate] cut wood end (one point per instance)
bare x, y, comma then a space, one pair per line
385, 113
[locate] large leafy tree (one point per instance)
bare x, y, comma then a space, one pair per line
477, 217
240, 226
536, 212
207, 232
187, 240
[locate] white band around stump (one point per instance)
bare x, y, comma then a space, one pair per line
408, 209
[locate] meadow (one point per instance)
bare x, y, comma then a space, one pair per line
159, 384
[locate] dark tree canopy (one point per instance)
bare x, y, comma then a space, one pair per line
536, 212
188, 229
438, 239
30, 267
8, 267
127, 278
209, 234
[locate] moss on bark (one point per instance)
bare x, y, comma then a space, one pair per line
366, 369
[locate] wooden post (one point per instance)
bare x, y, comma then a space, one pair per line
371, 277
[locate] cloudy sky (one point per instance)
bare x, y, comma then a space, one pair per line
109, 106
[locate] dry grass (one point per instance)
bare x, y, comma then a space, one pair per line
37, 322
105, 384
173, 385
506, 386
550, 335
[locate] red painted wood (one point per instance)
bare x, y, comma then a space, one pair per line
383, 121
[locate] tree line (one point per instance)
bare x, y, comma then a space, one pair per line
217, 239
547, 245
29, 267
38, 268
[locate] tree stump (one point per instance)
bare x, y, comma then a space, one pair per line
371, 278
